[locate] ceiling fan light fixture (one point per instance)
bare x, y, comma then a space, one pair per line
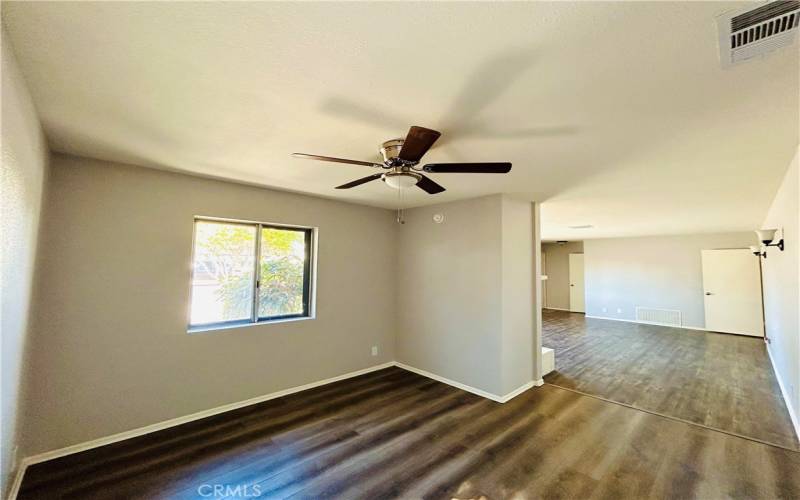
400, 180
400, 159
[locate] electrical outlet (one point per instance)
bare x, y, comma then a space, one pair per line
374, 350
605, 309
619, 311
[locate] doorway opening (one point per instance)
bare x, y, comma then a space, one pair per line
563, 276
671, 325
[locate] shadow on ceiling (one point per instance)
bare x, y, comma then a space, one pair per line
490, 80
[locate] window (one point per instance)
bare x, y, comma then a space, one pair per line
245, 273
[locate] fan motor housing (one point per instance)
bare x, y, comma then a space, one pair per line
390, 151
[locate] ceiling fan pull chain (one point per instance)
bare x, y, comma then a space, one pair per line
400, 218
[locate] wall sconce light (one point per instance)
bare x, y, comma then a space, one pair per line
758, 251
766, 237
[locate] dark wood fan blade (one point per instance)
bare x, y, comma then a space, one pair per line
468, 168
336, 160
427, 185
360, 181
418, 141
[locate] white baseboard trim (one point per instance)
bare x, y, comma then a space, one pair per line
464, 387
556, 308
786, 399
12, 493
648, 323
95, 443
539, 382
519, 390
696, 328
458, 385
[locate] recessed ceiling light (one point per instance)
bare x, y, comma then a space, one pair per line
583, 226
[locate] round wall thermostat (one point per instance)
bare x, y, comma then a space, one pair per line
438, 218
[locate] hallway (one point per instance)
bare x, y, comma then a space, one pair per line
720, 381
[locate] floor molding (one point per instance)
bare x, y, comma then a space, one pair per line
697, 328
464, 387
677, 419
458, 385
785, 394
21, 467
95, 443
519, 390
556, 308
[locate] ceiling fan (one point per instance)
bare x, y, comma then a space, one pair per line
400, 160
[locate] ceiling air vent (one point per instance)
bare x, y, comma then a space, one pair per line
755, 32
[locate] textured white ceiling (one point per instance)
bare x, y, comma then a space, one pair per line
614, 114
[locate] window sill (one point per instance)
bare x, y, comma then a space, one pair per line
231, 326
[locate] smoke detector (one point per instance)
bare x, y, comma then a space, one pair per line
745, 34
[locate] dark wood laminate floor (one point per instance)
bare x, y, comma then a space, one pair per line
722, 381
395, 434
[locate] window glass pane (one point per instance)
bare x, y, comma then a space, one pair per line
283, 264
223, 268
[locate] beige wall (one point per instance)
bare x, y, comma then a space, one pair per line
112, 349
449, 292
460, 312
557, 271
655, 271
24, 170
518, 293
782, 290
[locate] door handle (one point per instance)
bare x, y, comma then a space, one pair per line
709, 293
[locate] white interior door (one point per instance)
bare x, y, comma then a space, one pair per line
577, 299
732, 288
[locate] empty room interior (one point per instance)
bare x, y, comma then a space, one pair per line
456, 250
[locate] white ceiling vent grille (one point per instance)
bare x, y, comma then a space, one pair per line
654, 316
755, 32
